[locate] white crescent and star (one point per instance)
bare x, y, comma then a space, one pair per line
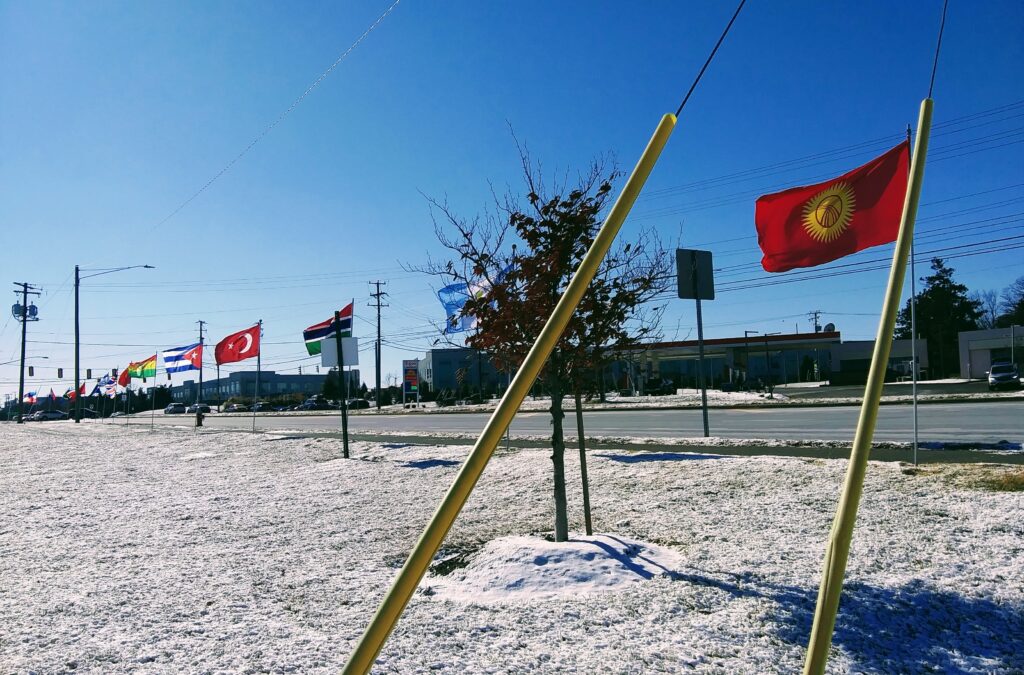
248, 343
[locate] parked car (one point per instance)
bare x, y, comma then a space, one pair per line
175, 409
236, 408
117, 413
48, 415
1003, 375
198, 407
358, 403
314, 404
262, 407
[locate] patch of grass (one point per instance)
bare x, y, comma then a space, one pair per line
1010, 481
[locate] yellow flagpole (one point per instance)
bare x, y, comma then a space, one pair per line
415, 567
838, 549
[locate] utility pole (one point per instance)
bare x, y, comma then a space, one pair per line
377, 296
815, 316
78, 397
26, 290
199, 394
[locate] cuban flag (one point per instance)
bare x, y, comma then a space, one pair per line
183, 358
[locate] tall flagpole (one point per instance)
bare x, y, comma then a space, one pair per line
256, 392
913, 330
838, 549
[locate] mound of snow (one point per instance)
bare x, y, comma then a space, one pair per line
529, 568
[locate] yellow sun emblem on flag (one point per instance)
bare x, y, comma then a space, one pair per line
828, 213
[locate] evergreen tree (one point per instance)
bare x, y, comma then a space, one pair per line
944, 309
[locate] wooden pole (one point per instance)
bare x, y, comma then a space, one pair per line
838, 548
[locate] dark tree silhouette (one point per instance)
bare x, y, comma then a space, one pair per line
943, 310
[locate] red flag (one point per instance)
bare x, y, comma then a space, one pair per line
816, 224
125, 377
72, 394
239, 346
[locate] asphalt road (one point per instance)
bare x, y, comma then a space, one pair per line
965, 422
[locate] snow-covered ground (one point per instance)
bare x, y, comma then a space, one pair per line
123, 549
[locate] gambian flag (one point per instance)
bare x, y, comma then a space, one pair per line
143, 369
317, 333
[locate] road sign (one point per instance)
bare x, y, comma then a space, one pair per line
694, 276
329, 351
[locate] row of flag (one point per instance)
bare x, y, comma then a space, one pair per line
245, 344
800, 227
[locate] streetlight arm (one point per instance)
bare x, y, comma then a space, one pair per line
97, 273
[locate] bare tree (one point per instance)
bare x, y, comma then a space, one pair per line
989, 304
518, 259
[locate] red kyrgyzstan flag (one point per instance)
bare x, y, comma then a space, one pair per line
239, 346
816, 224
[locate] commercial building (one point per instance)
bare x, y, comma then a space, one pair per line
750, 360
242, 384
979, 349
455, 367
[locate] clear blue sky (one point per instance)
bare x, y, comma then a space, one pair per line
113, 114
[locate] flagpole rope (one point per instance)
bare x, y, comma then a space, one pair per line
710, 56
938, 46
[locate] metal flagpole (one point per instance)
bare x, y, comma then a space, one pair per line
838, 548
913, 329
341, 374
256, 392
415, 567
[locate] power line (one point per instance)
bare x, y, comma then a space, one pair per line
281, 117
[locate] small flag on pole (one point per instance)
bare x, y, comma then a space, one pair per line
816, 224
143, 369
30, 397
183, 358
245, 344
319, 332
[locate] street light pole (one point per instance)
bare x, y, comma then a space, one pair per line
768, 366
746, 357
78, 281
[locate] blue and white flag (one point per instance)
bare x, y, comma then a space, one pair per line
455, 296
183, 358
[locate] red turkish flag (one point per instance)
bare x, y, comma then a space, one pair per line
125, 377
816, 224
239, 346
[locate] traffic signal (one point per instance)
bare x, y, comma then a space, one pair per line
113, 373
88, 373
60, 373
31, 371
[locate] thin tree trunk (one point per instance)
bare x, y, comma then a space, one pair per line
558, 459
583, 464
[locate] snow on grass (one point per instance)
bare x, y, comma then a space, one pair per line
530, 568
127, 550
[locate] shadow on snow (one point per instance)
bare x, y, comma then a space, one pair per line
429, 463
634, 458
910, 628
